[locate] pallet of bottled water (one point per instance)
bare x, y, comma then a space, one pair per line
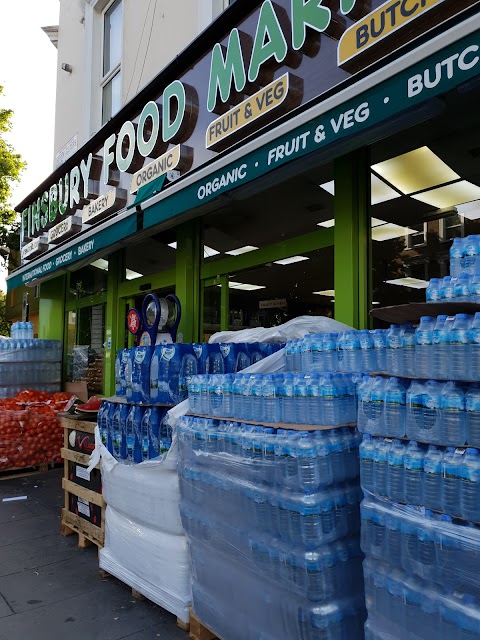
29, 363
272, 518
326, 399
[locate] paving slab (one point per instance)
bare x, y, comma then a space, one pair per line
48, 549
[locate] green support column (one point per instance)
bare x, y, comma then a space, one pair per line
114, 321
188, 290
224, 304
352, 239
51, 314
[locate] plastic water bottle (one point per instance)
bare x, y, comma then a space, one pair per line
352, 357
394, 350
433, 290
227, 395
432, 478
424, 347
381, 466
447, 288
414, 473
194, 394
297, 356
396, 474
452, 478
257, 402
380, 349
459, 347
472, 415
287, 396
102, 419
470, 252
329, 400
440, 347
237, 395
423, 411
367, 454
474, 339
474, 292
215, 396
316, 355
247, 388
306, 353
329, 349
367, 357
376, 407
308, 471
395, 408
313, 401
130, 435
462, 287
289, 349
456, 256
119, 420
408, 338
452, 424
470, 487
204, 385
301, 398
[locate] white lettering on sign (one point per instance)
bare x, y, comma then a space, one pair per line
33, 248
207, 189
155, 169
273, 304
60, 230
86, 247
99, 206
63, 258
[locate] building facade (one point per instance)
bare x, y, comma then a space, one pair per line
286, 158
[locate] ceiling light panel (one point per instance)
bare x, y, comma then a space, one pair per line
208, 252
100, 264
415, 171
470, 210
132, 275
327, 292
291, 260
450, 195
241, 250
414, 283
389, 231
382, 192
331, 223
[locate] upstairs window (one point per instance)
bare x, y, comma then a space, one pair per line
111, 82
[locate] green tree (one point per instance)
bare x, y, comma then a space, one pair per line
11, 166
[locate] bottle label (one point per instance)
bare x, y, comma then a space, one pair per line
424, 337
472, 404
475, 336
395, 397
140, 356
125, 356
225, 349
452, 403
168, 353
197, 350
459, 336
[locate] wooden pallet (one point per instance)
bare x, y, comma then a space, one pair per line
139, 596
198, 631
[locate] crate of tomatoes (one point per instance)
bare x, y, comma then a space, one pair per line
30, 430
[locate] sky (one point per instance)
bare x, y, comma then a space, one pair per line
28, 72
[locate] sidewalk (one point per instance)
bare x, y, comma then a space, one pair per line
51, 589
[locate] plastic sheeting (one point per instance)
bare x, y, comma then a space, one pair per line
152, 562
294, 329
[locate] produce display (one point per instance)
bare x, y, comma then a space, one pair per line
30, 431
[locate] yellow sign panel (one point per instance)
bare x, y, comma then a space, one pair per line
167, 162
380, 24
262, 102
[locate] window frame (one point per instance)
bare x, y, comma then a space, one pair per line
108, 77
442, 230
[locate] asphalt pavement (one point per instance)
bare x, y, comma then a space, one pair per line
50, 589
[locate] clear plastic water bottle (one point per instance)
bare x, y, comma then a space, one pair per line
395, 408
462, 287
257, 401
308, 471
368, 361
470, 487
237, 390
472, 415
329, 400
227, 395
289, 350
204, 382
474, 340
297, 356
301, 398
130, 434
408, 338
396, 473
376, 423
440, 347
447, 288
102, 420
215, 395
424, 347
423, 411
471, 250
367, 454
459, 347
287, 395
452, 423
413, 466
306, 353
379, 337
313, 401
452, 479
352, 357
316, 355
394, 351
456, 256
433, 290
329, 350
381, 466
432, 478
474, 292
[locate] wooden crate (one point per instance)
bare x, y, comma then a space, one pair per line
88, 532
198, 631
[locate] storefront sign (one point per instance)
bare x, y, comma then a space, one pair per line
66, 151
65, 229
281, 55
34, 248
273, 304
379, 25
104, 206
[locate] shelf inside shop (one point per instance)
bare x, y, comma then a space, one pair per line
407, 439
402, 313
278, 425
123, 400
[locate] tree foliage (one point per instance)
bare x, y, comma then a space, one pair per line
11, 166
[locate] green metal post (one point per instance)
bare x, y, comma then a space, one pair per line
352, 239
114, 324
188, 289
51, 312
224, 304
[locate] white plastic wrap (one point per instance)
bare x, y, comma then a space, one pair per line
294, 329
152, 562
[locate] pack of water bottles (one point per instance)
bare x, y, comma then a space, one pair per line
160, 374
348, 351
430, 411
442, 479
29, 363
461, 288
442, 551
465, 256
402, 606
294, 398
134, 433
272, 517
21, 331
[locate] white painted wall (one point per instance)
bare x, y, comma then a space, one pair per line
154, 32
